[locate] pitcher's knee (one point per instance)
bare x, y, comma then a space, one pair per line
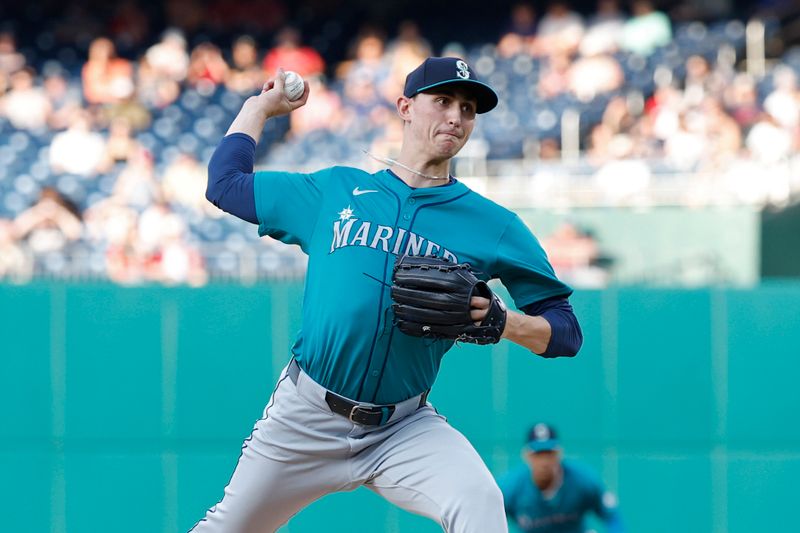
475, 504
486, 496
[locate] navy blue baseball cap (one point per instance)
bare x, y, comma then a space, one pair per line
542, 438
441, 71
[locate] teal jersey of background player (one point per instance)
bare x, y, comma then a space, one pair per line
353, 225
563, 511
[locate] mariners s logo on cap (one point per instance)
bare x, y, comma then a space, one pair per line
449, 71
462, 70
542, 437
541, 432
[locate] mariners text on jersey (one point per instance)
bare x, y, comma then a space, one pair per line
386, 238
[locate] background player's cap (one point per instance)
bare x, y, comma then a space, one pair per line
542, 437
439, 71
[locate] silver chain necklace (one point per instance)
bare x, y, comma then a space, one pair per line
390, 162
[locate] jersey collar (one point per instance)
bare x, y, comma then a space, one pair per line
440, 192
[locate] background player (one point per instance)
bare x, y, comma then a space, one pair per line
549, 494
350, 408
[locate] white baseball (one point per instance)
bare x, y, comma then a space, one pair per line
293, 86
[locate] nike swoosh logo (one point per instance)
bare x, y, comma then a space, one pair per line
359, 192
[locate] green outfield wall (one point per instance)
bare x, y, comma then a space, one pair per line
124, 409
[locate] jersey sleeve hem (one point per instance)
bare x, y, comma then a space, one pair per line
544, 296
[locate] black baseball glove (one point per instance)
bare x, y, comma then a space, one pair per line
432, 299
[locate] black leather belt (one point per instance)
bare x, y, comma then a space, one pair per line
365, 415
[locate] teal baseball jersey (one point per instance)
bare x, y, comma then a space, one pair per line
353, 225
565, 510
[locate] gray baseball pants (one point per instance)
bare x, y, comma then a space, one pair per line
300, 451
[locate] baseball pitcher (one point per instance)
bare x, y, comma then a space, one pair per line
397, 272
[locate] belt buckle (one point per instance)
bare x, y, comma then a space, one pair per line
353, 411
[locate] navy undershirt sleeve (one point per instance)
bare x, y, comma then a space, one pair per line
566, 338
231, 176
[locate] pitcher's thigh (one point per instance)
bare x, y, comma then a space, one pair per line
264, 493
429, 468
292, 458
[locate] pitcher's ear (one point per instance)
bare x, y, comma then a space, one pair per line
404, 107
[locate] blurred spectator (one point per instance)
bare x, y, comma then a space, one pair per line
120, 145
107, 79
109, 221
663, 113
741, 99
368, 61
153, 90
168, 59
207, 67
600, 145
124, 263
409, 39
51, 223
614, 137
783, 103
167, 257
510, 45
574, 254
176, 260
25, 105
78, 149
560, 30
723, 132
324, 111
404, 54
548, 149
184, 184
454, 49
519, 36
136, 185
522, 20
361, 95
594, 75
706, 137
701, 81
112, 226
10, 59
685, 146
15, 264
364, 78
618, 116
64, 97
696, 83
646, 30
290, 54
245, 76
603, 30
555, 77
152, 225
132, 111
768, 141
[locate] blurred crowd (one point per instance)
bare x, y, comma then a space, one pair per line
103, 154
